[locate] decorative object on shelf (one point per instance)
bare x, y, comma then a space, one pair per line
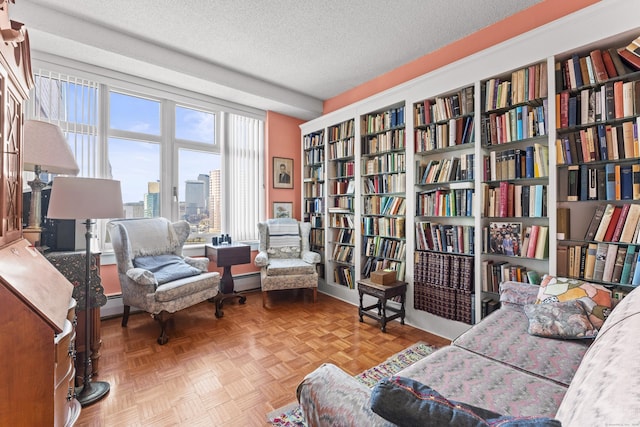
45, 150
89, 199
282, 209
282, 172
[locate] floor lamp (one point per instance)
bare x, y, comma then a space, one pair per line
88, 199
45, 150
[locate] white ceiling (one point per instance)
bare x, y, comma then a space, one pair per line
280, 55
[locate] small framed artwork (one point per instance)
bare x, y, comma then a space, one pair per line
282, 209
282, 172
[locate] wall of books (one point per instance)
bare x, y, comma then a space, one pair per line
512, 163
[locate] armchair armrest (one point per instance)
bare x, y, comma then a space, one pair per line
310, 257
201, 264
142, 277
262, 259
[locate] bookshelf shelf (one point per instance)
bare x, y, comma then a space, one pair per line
313, 192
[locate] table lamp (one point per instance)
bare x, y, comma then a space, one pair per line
88, 199
45, 150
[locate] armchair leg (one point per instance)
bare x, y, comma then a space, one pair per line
125, 315
163, 318
315, 295
264, 299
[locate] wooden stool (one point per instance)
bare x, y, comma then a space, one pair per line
382, 293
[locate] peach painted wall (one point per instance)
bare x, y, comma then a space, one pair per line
282, 139
526, 20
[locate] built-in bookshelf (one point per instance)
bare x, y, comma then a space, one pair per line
383, 175
444, 145
515, 170
340, 210
598, 155
313, 181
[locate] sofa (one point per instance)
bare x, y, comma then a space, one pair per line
499, 366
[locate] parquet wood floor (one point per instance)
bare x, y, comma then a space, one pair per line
234, 370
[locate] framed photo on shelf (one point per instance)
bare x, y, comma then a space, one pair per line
282, 209
282, 172
505, 238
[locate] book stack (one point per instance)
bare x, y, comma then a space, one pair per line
444, 108
521, 122
608, 181
444, 237
445, 202
514, 200
530, 162
495, 272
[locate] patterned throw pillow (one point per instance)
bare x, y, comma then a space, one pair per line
565, 320
595, 298
406, 402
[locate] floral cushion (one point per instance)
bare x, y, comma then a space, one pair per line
406, 402
595, 298
567, 319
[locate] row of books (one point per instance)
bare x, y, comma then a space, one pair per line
383, 226
316, 220
390, 140
615, 223
443, 285
601, 262
378, 122
600, 143
342, 130
384, 205
315, 139
446, 170
341, 149
495, 272
314, 172
526, 84
341, 203
613, 100
317, 237
608, 181
314, 155
518, 123
379, 247
384, 163
313, 189
345, 236
444, 108
343, 275
448, 238
342, 253
374, 264
510, 200
342, 186
343, 169
530, 162
508, 238
391, 183
437, 136
445, 202
597, 67
340, 220
314, 205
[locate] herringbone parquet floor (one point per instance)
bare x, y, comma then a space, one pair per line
234, 370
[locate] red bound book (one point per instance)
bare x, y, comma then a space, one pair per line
620, 223
533, 241
612, 224
598, 65
608, 64
630, 58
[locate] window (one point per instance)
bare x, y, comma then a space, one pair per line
176, 159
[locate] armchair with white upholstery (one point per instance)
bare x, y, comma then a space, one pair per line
153, 273
284, 257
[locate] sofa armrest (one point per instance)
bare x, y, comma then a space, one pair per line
262, 259
310, 257
330, 396
518, 293
201, 264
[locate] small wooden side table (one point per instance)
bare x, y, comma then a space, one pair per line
382, 293
226, 256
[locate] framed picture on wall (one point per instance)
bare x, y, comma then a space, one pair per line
282, 172
282, 209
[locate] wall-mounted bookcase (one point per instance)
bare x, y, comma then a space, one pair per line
341, 227
444, 139
313, 181
383, 180
598, 103
515, 171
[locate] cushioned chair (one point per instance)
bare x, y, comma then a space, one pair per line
284, 259
154, 275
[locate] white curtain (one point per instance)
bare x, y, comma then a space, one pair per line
244, 176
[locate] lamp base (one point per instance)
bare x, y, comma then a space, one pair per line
92, 391
33, 235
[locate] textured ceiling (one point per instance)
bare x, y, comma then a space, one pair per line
282, 55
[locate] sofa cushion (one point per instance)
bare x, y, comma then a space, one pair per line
566, 319
596, 298
166, 268
289, 266
407, 402
556, 360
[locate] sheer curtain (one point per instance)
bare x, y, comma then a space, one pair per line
244, 175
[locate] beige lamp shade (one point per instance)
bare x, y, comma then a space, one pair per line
85, 198
46, 146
